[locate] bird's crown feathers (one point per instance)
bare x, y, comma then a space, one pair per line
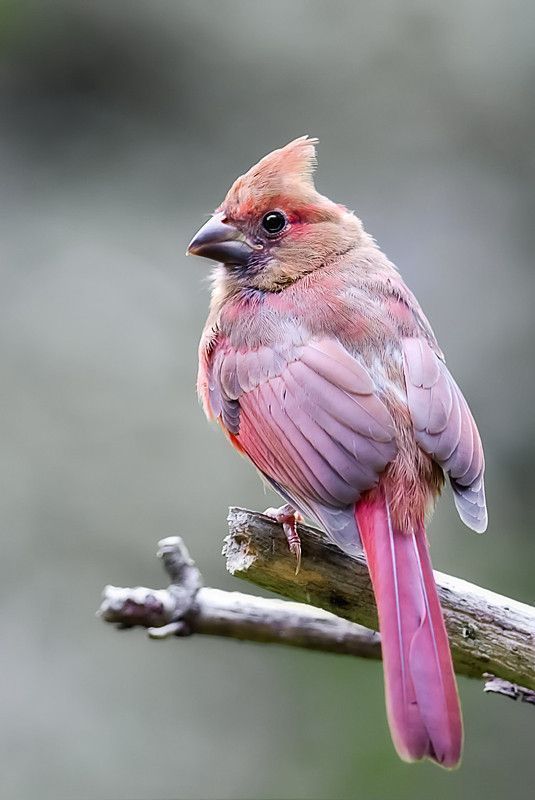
286, 172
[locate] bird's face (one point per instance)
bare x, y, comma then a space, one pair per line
273, 226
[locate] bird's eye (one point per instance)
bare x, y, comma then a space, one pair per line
273, 222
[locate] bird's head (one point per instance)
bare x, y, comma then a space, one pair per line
273, 227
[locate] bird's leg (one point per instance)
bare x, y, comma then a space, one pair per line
288, 517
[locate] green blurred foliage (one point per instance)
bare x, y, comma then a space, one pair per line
122, 124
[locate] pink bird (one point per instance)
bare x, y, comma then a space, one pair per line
320, 366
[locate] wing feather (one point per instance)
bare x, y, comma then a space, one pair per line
445, 428
309, 418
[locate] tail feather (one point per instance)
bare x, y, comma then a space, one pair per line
421, 692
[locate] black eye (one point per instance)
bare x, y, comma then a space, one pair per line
273, 222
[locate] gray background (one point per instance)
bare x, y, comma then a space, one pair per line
122, 124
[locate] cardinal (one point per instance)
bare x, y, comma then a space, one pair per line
320, 366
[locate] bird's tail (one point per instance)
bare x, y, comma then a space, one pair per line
421, 692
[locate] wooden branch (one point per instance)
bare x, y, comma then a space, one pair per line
185, 608
494, 685
488, 633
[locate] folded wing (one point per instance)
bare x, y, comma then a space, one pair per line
310, 420
445, 428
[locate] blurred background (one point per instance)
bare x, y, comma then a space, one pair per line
122, 124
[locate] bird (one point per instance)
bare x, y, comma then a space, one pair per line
321, 368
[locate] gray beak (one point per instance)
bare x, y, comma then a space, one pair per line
221, 242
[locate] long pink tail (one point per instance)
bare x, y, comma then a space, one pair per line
421, 693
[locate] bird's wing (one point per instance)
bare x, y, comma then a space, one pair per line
308, 417
445, 428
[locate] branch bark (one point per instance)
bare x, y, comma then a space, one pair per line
488, 633
185, 608
492, 637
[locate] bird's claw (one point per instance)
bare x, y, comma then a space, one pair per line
288, 517
294, 543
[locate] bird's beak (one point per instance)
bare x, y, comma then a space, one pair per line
220, 241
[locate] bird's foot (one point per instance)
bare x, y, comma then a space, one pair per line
288, 517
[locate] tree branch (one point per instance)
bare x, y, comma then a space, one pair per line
494, 685
488, 632
185, 608
491, 636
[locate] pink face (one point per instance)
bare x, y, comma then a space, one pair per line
249, 232
273, 226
